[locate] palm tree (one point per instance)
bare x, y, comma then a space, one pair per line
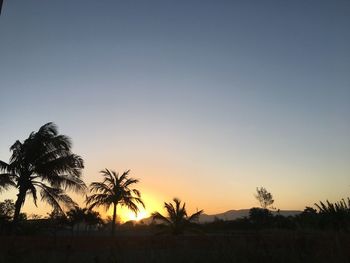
43, 161
93, 218
177, 220
114, 191
77, 216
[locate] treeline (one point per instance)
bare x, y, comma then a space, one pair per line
325, 216
80, 221
75, 221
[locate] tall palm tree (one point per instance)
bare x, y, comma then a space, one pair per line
43, 161
177, 220
115, 190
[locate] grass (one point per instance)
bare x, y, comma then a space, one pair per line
264, 246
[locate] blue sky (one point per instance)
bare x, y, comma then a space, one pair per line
204, 100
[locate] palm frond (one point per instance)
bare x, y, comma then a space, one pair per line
68, 182
49, 127
56, 198
17, 152
159, 216
129, 181
194, 217
32, 191
5, 167
94, 200
124, 176
7, 180
136, 192
100, 187
70, 164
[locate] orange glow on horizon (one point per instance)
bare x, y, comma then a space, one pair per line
124, 214
137, 217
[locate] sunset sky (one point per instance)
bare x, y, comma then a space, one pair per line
202, 100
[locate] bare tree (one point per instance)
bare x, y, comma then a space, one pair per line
264, 197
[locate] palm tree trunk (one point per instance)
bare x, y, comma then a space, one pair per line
114, 218
18, 205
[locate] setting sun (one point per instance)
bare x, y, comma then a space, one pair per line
140, 215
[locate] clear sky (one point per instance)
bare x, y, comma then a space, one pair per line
202, 100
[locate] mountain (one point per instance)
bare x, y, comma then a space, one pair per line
234, 214
231, 215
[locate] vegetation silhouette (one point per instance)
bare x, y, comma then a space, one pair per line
260, 217
115, 190
335, 215
5, 180
264, 197
7, 209
83, 216
43, 161
177, 220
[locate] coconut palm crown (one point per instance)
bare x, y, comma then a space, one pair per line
115, 190
177, 221
43, 162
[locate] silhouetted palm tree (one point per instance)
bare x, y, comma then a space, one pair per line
43, 161
177, 220
93, 218
78, 216
114, 191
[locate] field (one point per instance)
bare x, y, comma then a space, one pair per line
264, 246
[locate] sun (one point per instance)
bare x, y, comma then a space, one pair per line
140, 215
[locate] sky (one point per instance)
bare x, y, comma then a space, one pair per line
202, 100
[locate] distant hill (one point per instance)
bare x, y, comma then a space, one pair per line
231, 215
234, 214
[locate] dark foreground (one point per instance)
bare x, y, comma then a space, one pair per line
268, 246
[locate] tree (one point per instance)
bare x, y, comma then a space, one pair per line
93, 218
177, 220
115, 190
260, 216
308, 218
264, 197
43, 161
7, 209
77, 216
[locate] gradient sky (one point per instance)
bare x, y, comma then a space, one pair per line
202, 100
